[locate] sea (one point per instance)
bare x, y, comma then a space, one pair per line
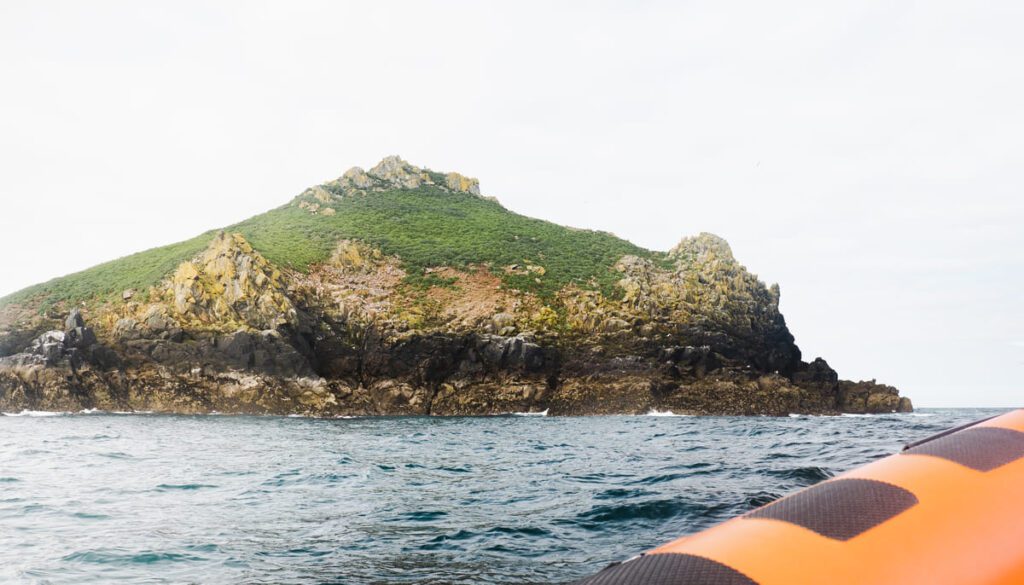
157, 499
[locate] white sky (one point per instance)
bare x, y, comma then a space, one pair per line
865, 155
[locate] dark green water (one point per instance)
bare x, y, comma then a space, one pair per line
100, 498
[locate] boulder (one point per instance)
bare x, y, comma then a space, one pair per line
79, 338
156, 319
396, 173
320, 194
356, 177
76, 334
49, 346
74, 320
462, 184
503, 320
905, 405
126, 329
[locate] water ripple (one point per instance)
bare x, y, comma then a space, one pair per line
103, 498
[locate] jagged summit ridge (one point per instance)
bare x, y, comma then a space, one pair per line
392, 173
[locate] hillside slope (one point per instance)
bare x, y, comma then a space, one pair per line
400, 290
433, 223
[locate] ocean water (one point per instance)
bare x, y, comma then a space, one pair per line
104, 498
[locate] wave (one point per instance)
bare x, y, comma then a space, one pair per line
117, 557
662, 478
184, 486
421, 516
840, 415
99, 411
520, 531
803, 475
541, 413
656, 412
36, 413
599, 517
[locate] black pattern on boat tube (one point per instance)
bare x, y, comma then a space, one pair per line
842, 508
669, 569
980, 448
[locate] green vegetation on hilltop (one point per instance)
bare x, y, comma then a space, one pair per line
138, 271
425, 227
432, 227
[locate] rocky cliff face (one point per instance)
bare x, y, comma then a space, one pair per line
690, 331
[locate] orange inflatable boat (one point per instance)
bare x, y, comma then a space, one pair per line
948, 510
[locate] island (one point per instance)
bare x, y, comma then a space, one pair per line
403, 291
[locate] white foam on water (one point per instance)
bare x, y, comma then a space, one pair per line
35, 413
852, 415
541, 413
656, 412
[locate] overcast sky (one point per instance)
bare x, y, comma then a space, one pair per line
867, 156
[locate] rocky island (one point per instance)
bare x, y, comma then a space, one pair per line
403, 291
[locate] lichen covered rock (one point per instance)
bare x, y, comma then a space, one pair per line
391, 173
395, 172
229, 285
457, 182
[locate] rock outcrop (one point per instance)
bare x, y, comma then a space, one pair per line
391, 173
229, 285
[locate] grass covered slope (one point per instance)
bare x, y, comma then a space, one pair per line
425, 223
429, 227
138, 271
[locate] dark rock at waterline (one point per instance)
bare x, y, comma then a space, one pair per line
274, 372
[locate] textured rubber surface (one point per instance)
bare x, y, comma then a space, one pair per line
669, 569
980, 448
946, 432
945, 512
842, 508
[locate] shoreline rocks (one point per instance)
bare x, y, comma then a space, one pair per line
440, 375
